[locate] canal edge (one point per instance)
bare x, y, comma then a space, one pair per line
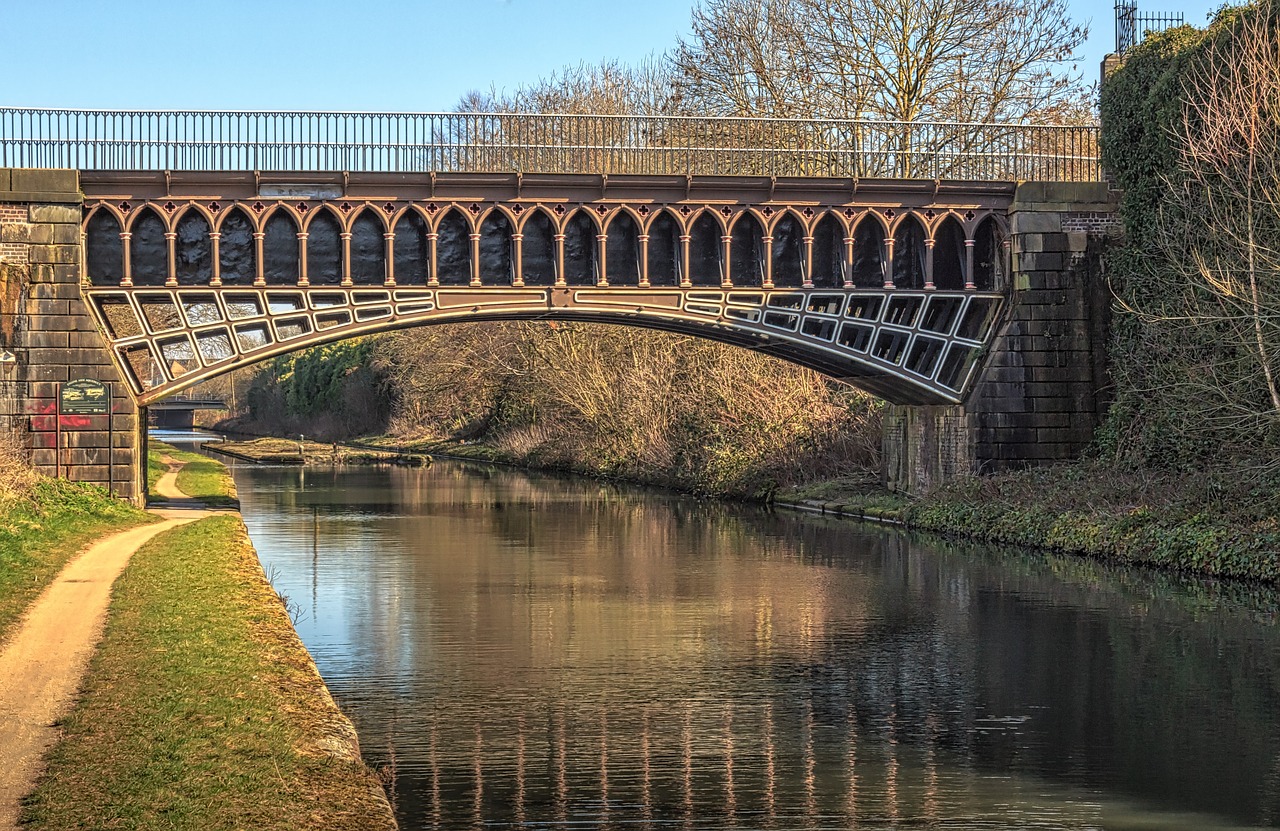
336, 736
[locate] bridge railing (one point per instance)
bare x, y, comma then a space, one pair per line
543, 143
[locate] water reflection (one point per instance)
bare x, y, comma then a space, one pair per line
527, 650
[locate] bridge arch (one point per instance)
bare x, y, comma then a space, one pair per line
746, 250
622, 247
170, 338
827, 247
580, 260
665, 261
281, 245
870, 234
949, 269
324, 229
411, 247
192, 248
366, 248
147, 247
907, 267
989, 254
538, 230
453, 231
496, 254
237, 258
706, 232
788, 260
104, 246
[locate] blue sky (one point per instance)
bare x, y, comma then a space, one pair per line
351, 55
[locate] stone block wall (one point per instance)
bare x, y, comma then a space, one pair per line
1044, 386
46, 328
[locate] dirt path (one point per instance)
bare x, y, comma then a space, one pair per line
167, 485
43, 664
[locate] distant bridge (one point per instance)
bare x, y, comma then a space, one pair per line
177, 412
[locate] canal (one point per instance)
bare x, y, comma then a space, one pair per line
527, 650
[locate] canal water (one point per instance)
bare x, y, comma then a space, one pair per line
531, 651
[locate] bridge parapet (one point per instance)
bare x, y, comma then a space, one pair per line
546, 143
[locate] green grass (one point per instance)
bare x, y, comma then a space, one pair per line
201, 478
1222, 523
39, 534
155, 467
202, 710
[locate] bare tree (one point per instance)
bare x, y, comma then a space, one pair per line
899, 60
1210, 297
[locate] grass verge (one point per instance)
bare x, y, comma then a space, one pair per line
42, 530
202, 710
201, 478
1220, 523
290, 452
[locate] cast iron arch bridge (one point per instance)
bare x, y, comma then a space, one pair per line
876, 252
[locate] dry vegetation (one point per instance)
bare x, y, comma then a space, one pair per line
629, 403
16, 476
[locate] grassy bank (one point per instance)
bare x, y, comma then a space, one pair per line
289, 452
202, 710
1219, 523
43, 528
200, 478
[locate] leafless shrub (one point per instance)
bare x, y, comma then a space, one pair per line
16, 474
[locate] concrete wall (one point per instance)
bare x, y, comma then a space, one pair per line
48, 330
1044, 385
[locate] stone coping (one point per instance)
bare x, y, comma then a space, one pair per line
40, 186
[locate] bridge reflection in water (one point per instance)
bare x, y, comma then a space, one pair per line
531, 650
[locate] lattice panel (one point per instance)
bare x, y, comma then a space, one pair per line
907, 346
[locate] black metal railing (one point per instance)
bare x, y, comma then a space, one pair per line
1132, 26
543, 143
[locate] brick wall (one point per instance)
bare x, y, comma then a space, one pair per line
48, 329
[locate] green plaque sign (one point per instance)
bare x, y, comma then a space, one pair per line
84, 397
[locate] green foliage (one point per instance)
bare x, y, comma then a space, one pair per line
1189, 371
330, 392
39, 534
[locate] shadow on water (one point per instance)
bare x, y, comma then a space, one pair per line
526, 649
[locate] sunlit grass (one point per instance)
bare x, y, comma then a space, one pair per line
201, 478
41, 531
202, 709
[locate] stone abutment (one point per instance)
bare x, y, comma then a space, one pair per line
47, 338
1044, 387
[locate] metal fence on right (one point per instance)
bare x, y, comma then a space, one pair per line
545, 143
1132, 26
